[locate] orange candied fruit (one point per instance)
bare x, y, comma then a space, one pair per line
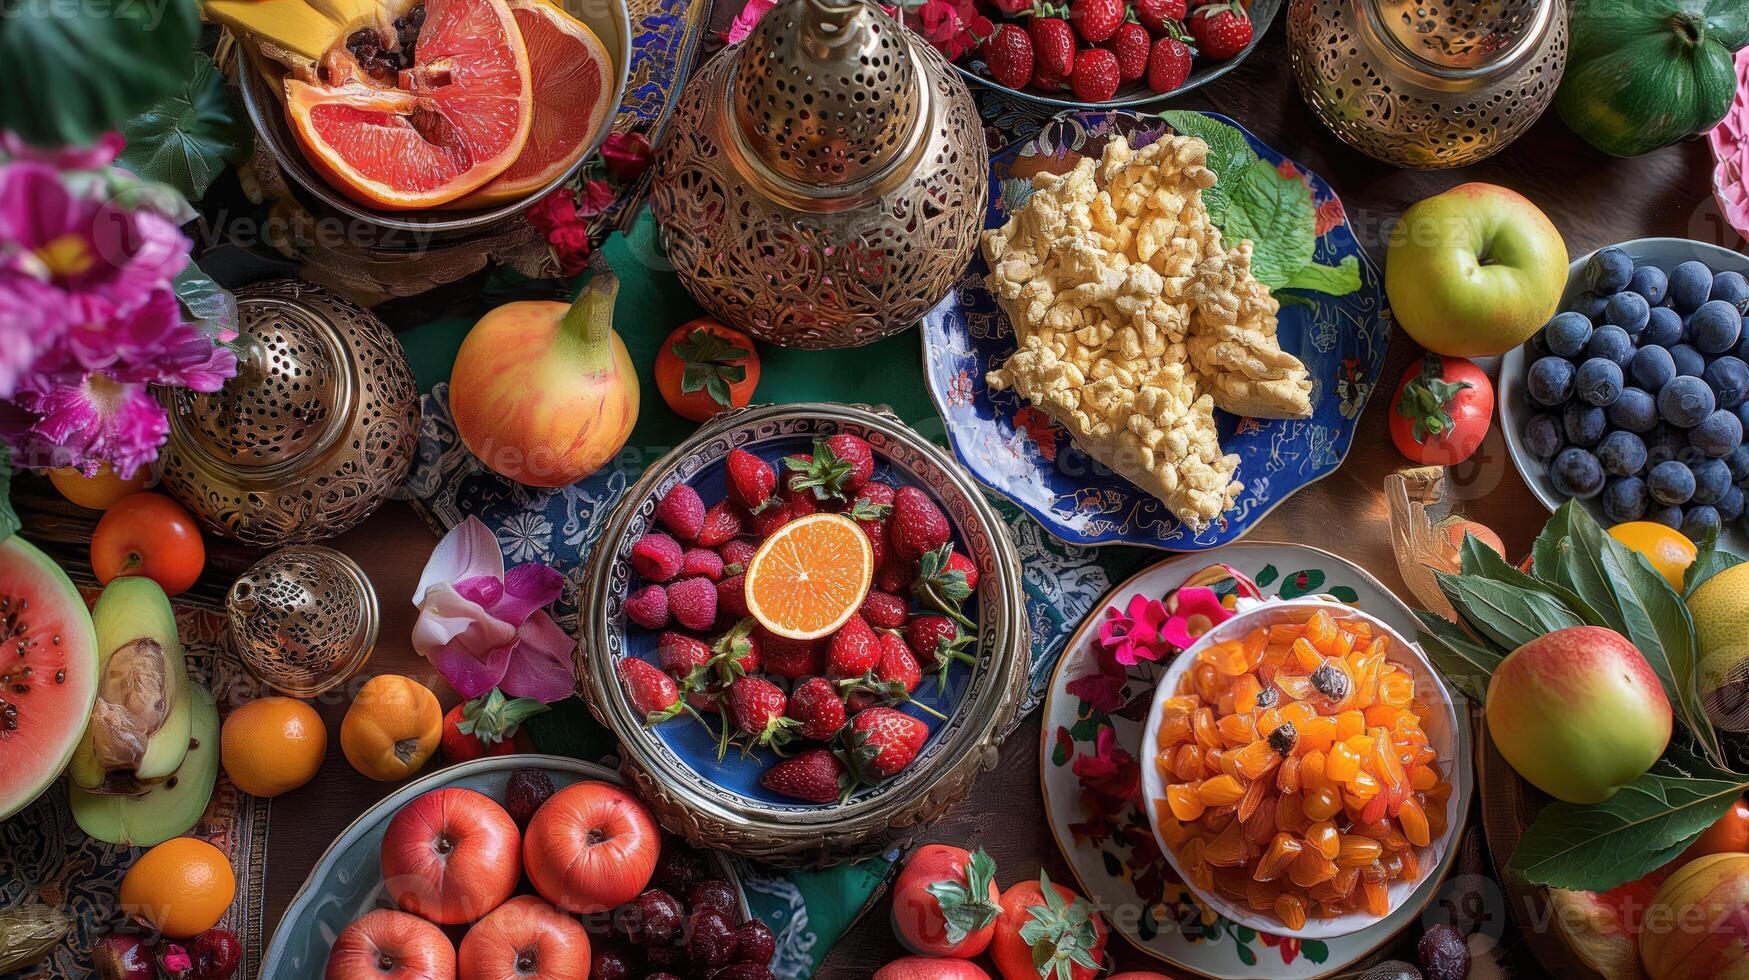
1299, 780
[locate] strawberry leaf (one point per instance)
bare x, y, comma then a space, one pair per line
942, 588
492, 718
824, 473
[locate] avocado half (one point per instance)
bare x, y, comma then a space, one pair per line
139, 728
166, 809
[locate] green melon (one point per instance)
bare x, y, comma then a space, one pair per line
48, 672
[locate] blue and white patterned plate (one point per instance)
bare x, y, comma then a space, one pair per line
1018, 452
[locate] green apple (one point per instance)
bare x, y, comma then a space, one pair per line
1473, 272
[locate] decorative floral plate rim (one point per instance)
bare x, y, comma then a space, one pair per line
1024, 457
1729, 141
1220, 948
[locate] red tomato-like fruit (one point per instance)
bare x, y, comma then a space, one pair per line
525, 939
489, 725
1441, 410
1728, 835
590, 847
1139, 975
451, 856
930, 968
939, 878
148, 534
390, 945
704, 367
1078, 932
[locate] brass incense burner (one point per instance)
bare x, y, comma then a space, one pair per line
823, 182
303, 619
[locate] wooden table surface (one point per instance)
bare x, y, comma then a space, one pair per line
1595, 200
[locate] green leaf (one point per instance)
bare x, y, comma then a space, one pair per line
1292, 587
1572, 544
1229, 155
1277, 215
186, 138
1476, 558
1336, 280
206, 301
9, 523
69, 74
1598, 846
1505, 614
1465, 663
1659, 625
965, 902
1265, 577
1708, 561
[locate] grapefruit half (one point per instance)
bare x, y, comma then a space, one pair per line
572, 90
457, 118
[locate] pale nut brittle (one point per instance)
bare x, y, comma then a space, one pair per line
1133, 323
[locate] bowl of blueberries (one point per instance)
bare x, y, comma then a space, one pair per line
1635, 397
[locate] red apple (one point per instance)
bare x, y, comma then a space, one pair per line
1579, 713
390, 945
930, 968
591, 847
451, 855
525, 939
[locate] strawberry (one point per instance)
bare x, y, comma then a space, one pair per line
789, 658
524, 793
693, 602
816, 776
872, 518
937, 642
681, 511
882, 610
1096, 20
653, 693
736, 554
1131, 44
884, 741
738, 651
1043, 81
1221, 29
942, 587
757, 706
798, 503
891, 682
1011, 6
957, 562
918, 526
656, 557
855, 451
767, 520
853, 650
1168, 65
898, 664
1053, 43
732, 596
877, 494
648, 607
722, 523
816, 705
895, 576
701, 561
1095, 78
838, 467
751, 479
680, 655
1155, 14
1009, 55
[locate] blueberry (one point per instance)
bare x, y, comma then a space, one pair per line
1576, 473
1699, 521
1730, 506
1663, 328
1665, 443
1690, 285
1671, 483
1688, 360
1685, 400
1566, 334
1628, 311
1732, 288
1598, 381
1667, 516
1650, 282
1625, 499
1583, 424
1622, 453
1652, 368
1550, 381
1542, 435
1717, 434
1738, 461
1611, 342
1715, 327
1728, 377
1609, 270
1743, 415
1589, 305
1635, 411
1711, 479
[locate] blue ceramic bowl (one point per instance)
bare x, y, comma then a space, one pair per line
721, 804
1019, 453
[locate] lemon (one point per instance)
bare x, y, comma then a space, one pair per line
1668, 549
1720, 608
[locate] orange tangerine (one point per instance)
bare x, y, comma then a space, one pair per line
181, 887
810, 576
272, 745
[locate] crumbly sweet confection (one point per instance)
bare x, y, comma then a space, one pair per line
1133, 322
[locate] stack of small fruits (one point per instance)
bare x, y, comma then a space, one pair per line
1641, 393
791, 610
1091, 48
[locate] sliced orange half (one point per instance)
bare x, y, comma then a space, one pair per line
808, 578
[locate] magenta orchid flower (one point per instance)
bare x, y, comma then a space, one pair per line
1133, 636
484, 627
1193, 612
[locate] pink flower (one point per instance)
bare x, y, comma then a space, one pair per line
483, 627
746, 20
625, 156
84, 245
1194, 611
94, 157
1110, 771
553, 211
1133, 635
85, 422
571, 246
597, 197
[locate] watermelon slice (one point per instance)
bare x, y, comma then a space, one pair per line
48, 672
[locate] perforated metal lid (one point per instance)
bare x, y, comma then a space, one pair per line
1463, 36
826, 92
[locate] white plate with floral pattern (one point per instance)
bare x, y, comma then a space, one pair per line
1093, 720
